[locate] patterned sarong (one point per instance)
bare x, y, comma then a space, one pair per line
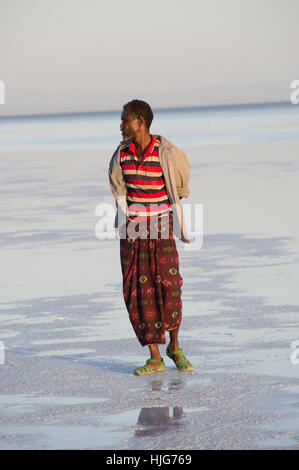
151, 279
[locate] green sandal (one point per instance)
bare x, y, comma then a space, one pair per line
148, 369
182, 363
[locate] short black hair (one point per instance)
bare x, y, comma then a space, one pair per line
140, 108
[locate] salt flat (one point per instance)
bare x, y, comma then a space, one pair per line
70, 351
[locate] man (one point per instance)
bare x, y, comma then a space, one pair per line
148, 176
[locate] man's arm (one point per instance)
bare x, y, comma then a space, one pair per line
116, 177
181, 171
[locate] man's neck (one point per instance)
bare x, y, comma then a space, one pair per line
142, 141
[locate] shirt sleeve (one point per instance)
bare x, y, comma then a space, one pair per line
181, 171
116, 178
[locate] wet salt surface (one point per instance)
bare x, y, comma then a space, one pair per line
242, 393
67, 380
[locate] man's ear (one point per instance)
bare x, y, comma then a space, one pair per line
141, 121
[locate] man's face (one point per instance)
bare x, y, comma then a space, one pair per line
129, 126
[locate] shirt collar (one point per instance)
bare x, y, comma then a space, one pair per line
149, 149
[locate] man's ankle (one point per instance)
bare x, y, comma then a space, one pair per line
174, 346
155, 353
157, 358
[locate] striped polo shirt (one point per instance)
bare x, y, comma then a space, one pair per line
145, 182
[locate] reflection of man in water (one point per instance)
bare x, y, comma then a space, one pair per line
157, 420
152, 175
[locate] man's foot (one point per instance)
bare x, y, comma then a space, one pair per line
179, 359
151, 366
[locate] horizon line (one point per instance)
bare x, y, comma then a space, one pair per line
175, 108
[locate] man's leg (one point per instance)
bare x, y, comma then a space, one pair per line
174, 342
176, 353
155, 353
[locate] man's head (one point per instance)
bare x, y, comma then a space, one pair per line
136, 118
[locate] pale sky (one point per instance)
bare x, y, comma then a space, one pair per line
93, 55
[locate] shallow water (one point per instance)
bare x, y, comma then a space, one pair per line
187, 127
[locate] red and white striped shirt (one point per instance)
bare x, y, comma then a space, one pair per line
145, 182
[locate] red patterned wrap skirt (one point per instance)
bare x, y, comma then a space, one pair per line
151, 278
